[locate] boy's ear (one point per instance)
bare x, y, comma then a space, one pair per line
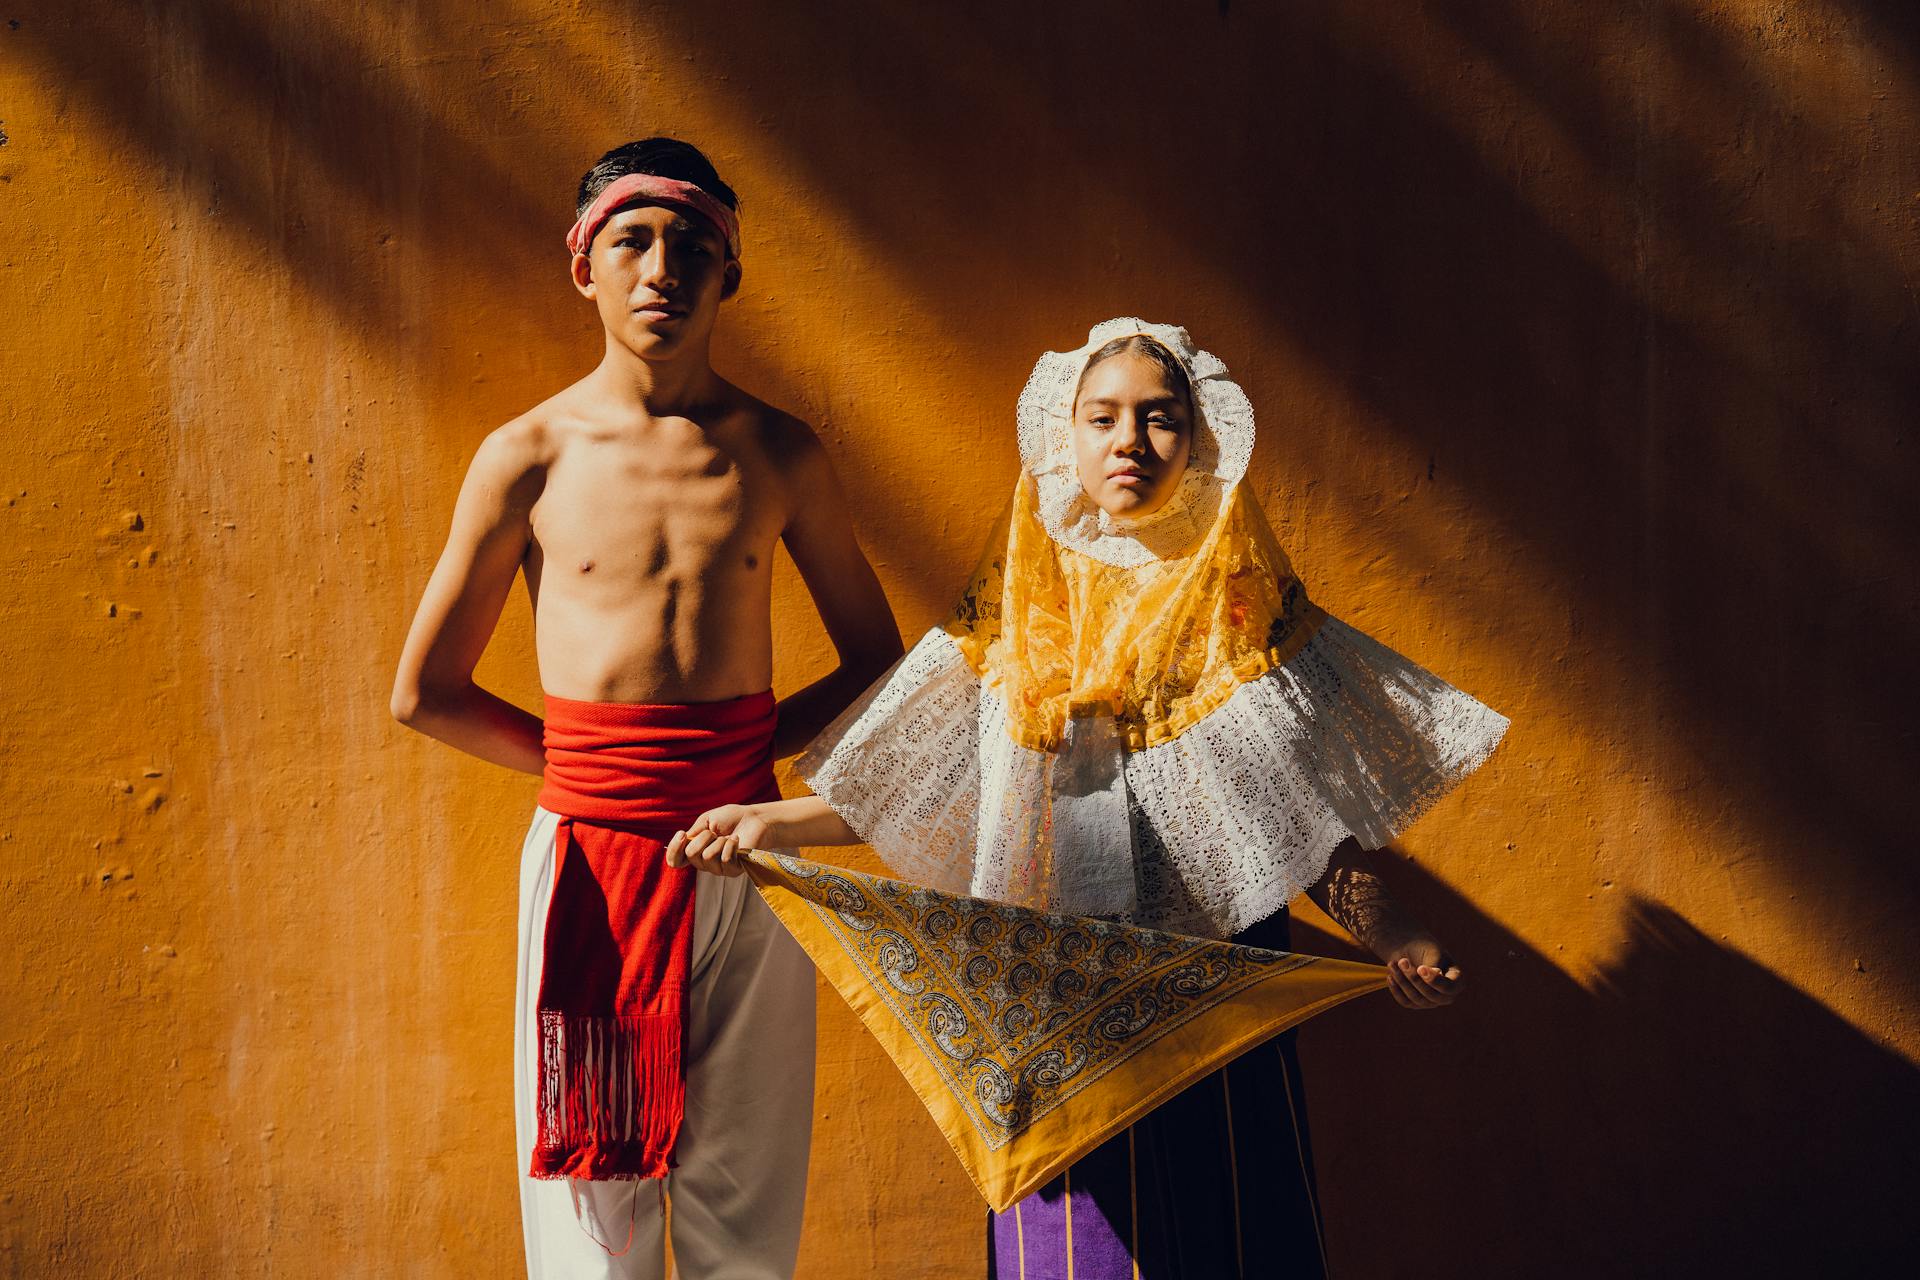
583, 275
730, 283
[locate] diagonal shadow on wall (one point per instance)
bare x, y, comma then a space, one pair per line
1721, 502
1690, 1114
327, 161
1719, 482
1717, 492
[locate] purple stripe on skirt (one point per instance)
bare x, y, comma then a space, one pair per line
1090, 1218
1215, 1184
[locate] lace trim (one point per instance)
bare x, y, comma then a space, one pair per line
902, 765
1237, 816
1231, 820
1222, 445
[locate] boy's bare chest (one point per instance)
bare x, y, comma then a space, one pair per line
662, 510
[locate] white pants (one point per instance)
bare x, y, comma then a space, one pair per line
740, 1173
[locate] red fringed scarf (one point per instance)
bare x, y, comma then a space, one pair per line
624, 777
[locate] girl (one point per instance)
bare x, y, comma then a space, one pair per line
1135, 712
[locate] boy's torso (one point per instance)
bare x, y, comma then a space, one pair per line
650, 563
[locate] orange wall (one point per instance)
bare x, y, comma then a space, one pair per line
1583, 342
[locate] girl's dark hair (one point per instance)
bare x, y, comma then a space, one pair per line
1153, 349
661, 157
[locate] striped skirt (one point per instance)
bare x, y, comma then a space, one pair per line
1217, 1184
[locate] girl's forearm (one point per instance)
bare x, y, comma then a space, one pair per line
804, 820
1361, 904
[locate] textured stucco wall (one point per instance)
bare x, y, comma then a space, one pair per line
1582, 338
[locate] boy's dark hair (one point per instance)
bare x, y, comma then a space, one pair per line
661, 157
1153, 349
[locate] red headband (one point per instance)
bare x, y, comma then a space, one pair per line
667, 191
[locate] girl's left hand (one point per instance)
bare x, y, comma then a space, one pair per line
1420, 975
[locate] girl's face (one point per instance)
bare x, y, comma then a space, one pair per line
1132, 432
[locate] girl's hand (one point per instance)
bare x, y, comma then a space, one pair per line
1420, 975
714, 841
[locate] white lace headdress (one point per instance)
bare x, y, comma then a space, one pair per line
1221, 447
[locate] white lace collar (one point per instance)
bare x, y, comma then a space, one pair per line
1222, 444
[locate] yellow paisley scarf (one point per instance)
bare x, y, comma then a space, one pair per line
1033, 1038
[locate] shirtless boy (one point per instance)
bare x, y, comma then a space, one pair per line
642, 505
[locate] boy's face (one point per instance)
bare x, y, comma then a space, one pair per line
1132, 432
657, 277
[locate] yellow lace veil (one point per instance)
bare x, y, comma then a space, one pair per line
1073, 613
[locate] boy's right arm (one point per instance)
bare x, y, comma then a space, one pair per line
434, 690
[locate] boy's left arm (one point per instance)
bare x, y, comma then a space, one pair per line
1419, 972
859, 622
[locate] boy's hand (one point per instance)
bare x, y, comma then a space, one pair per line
1420, 975
714, 841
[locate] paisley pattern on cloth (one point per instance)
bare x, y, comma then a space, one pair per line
1032, 1037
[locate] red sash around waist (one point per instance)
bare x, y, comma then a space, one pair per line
624, 776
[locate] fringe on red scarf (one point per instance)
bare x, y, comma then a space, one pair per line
607, 1093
